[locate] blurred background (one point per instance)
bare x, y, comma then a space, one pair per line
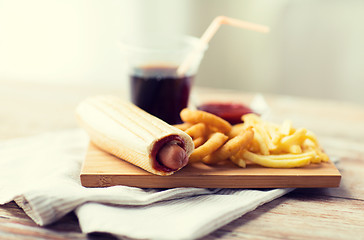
315, 47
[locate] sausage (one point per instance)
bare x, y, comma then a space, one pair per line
172, 156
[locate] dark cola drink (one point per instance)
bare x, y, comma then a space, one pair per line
159, 91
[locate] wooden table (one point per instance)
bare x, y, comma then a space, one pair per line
27, 109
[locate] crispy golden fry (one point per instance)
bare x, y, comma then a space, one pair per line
261, 140
291, 156
211, 120
286, 128
263, 147
296, 138
198, 141
299, 161
324, 157
265, 137
238, 161
312, 137
230, 148
236, 129
310, 145
254, 146
211, 145
294, 149
274, 134
183, 126
197, 130
251, 119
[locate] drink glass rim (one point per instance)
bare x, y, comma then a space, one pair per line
140, 45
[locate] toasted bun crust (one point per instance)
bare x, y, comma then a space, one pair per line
125, 131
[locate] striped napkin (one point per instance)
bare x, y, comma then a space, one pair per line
41, 173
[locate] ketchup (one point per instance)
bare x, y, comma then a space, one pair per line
231, 112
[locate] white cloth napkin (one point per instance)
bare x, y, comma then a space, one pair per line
41, 174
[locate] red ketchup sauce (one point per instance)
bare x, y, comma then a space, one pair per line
231, 112
161, 143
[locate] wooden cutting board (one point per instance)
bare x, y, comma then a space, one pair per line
101, 169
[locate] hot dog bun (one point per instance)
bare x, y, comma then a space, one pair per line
126, 131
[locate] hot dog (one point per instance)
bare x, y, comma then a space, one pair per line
172, 156
124, 130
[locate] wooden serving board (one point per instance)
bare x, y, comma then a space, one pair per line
101, 169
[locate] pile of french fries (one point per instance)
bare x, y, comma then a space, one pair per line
253, 141
277, 146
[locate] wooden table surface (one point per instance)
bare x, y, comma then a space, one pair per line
27, 109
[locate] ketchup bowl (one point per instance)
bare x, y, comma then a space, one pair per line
230, 111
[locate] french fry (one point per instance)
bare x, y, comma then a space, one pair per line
238, 161
286, 128
292, 156
236, 129
263, 147
274, 134
230, 148
267, 161
183, 126
310, 135
295, 149
265, 136
211, 120
296, 138
198, 141
211, 145
254, 146
251, 119
197, 130
324, 157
